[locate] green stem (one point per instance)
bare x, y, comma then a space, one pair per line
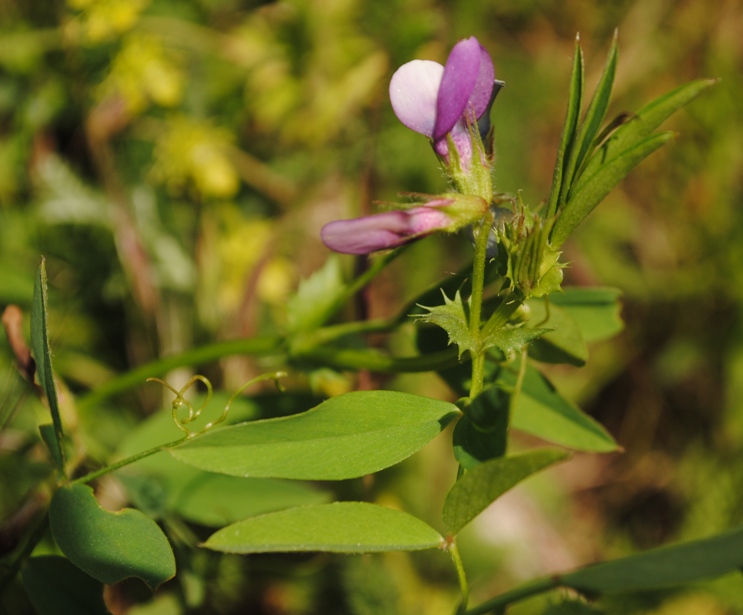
258, 346
519, 378
373, 360
461, 575
125, 462
478, 283
322, 336
497, 605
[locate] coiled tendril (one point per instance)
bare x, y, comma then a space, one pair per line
180, 401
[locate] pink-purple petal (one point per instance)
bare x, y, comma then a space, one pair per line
481, 96
461, 75
383, 231
462, 142
413, 92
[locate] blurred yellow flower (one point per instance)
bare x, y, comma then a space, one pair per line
100, 20
276, 281
192, 155
144, 71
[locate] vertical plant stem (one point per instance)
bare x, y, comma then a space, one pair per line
519, 378
478, 283
461, 575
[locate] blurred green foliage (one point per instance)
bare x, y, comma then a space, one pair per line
175, 160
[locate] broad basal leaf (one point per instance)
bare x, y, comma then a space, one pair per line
483, 484
663, 567
55, 586
342, 527
109, 546
344, 437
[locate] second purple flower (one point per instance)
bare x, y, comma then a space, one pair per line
437, 101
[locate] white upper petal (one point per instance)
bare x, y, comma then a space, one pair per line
413, 91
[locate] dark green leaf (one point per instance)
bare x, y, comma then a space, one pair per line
482, 433
452, 318
55, 586
567, 139
643, 124
43, 358
485, 483
344, 437
590, 126
541, 411
593, 191
564, 343
663, 567
342, 527
109, 546
596, 311
473, 445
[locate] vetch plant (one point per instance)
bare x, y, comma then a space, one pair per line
510, 314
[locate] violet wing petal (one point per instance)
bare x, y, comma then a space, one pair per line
458, 82
483, 121
481, 98
413, 91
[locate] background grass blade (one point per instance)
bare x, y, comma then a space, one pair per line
42, 355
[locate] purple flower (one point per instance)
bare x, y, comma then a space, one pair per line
437, 100
447, 212
386, 230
